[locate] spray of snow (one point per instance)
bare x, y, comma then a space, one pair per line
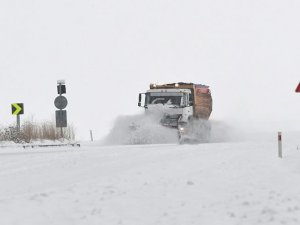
140, 129
146, 129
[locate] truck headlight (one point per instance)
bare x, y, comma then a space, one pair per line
181, 129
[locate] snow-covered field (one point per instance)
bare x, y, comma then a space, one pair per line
168, 184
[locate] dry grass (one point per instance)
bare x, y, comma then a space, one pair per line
36, 131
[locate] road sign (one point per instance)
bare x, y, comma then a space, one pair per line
60, 102
61, 89
17, 108
61, 118
298, 88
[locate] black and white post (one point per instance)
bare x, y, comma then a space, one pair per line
279, 144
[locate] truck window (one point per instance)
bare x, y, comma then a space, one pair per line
169, 100
164, 98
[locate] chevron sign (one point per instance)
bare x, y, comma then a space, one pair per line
17, 108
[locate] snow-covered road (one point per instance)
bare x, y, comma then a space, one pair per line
209, 184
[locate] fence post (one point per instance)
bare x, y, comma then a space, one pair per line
279, 144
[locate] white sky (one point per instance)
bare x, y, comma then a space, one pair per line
108, 51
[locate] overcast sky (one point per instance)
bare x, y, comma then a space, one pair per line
247, 51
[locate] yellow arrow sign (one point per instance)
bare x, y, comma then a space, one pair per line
17, 108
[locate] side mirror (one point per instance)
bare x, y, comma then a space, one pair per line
140, 100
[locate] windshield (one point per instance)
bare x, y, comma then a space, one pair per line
166, 98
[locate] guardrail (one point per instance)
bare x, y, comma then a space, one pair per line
40, 145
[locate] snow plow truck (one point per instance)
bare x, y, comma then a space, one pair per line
182, 106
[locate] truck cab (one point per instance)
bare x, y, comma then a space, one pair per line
174, 105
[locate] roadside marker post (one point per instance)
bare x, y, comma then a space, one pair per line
298, 91
91, 134
279, 144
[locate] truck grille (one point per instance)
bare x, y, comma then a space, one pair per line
170, 120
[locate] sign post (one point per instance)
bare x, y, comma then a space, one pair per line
61, 103
17, 109
18, 123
